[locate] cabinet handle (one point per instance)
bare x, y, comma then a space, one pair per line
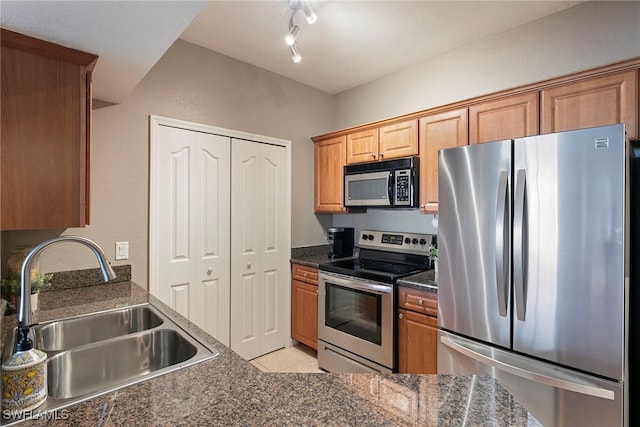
373, 155
304, 274
422, 206
400, 316
420, 302
381, 155
249, 265
209, 271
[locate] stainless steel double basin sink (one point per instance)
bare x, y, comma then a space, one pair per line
93, 354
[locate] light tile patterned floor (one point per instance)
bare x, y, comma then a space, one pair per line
298, 358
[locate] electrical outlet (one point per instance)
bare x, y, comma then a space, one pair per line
122, 250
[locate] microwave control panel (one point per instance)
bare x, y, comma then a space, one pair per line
403, 194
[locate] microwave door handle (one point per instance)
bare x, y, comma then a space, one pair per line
390, 184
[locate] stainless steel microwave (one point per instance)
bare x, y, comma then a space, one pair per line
386, 184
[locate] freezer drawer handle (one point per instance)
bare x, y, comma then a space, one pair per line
502, 242
581, 388
519, 244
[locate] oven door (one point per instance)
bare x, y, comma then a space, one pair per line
368, 189
356, 315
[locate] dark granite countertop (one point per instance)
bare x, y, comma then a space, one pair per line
312, 256
229, 391
423, 281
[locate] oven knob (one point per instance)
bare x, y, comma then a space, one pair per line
407, 240
365, 237
423, 242
414, 241
370, 236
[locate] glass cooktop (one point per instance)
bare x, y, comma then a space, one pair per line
372, 269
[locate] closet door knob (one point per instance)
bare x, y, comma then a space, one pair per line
209, 271
249, 265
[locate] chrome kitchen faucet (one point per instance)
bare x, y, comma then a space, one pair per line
24, 312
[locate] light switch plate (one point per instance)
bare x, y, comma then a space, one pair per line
122, 250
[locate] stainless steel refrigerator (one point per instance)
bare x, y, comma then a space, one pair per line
533, 283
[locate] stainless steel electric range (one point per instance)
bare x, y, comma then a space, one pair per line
356, 299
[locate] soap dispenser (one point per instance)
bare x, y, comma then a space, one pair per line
24, 376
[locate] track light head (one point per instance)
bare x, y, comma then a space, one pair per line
290, 38
309, 14
295, 55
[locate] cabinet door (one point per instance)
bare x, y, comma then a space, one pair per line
46, 114
438, 131
505, 118
362, 146
329, 159
398, 140
304, 313
417, 343
593, 102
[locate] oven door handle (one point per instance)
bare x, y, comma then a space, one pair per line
353, 284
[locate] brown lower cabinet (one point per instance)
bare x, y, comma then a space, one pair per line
417, 331
304, 305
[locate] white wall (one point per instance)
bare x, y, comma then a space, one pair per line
582, 37
195, 84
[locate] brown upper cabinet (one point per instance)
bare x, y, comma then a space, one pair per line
390, 141
438, 131
602, 96
595, 101
504, 118
329, 160
46, 130
362, 146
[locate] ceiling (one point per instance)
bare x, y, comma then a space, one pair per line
352, 43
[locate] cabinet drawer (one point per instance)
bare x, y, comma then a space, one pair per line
304, 273
418, 300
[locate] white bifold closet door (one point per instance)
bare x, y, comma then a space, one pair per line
190, 233
259, 256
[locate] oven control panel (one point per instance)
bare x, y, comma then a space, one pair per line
414, 243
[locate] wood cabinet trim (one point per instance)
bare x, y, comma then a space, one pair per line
44, 48
613, 68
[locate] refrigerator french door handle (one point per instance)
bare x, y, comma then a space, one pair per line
519, 241
502, 242
539, 377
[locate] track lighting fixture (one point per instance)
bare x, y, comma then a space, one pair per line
292, 35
